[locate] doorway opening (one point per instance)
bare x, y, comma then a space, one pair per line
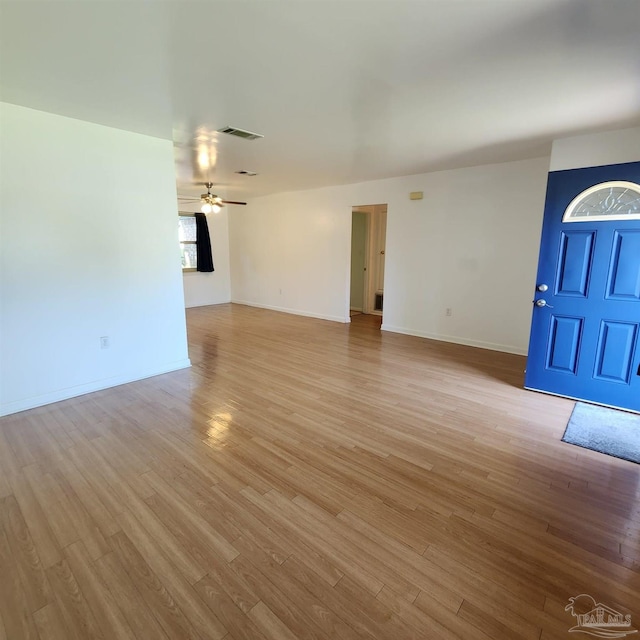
368, 238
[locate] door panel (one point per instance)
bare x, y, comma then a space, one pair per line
624, 272
564, 345
576, 254
615, 351
585, 333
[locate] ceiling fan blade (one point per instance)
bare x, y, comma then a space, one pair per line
232, 202
188, 199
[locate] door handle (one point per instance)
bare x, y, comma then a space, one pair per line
542, 303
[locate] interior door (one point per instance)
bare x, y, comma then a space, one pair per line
585, 330
359, 231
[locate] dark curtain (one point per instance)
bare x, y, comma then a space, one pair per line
203, 244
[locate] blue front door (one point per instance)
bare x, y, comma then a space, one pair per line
585, 331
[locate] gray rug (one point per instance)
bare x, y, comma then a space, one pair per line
616, 433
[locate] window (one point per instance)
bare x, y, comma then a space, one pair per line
187, 238
616, 200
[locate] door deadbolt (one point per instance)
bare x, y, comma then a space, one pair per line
542, 287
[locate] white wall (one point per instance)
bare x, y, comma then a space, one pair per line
471, 244
212, 288
596, 149
88, 249
291, 252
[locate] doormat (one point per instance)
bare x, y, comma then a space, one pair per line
616, 433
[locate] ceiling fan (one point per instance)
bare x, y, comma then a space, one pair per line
210, 201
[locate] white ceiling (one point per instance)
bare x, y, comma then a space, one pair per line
343, 90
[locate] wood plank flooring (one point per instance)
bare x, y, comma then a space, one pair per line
310, 480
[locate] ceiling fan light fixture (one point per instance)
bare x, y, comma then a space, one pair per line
210, 202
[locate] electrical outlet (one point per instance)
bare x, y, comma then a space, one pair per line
448, 311
104, 342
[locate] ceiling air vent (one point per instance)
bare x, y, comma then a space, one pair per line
241, 133
244, 172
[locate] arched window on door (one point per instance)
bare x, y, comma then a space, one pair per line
615, 200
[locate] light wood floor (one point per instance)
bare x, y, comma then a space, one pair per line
307, 479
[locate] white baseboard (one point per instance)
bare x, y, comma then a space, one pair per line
506, 348
80, 390
206, 304
295, 312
